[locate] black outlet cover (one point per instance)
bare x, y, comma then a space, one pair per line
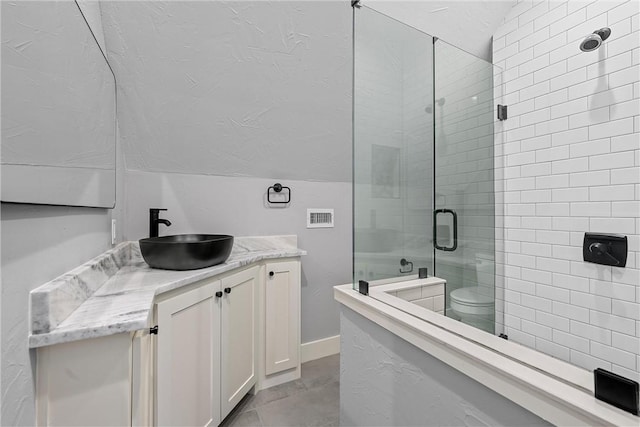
605, 249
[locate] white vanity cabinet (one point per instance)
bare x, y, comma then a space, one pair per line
206, 350
282, 316
85, 382
239, 337
217, 340
188, 358
106, 381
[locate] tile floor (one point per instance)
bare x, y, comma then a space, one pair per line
313, 400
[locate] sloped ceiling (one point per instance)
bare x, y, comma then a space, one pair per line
468, 25
250, 88
234, 88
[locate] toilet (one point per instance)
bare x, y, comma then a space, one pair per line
472, 305
473, 308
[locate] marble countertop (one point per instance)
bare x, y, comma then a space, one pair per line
115, 291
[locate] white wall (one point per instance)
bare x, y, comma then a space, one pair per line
39, 243
569, 164
385, 381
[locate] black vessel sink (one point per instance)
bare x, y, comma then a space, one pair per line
186, 251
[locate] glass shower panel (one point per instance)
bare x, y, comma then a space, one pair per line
464, 211
393, 148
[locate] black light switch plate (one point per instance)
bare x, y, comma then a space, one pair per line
616, 390
605, 249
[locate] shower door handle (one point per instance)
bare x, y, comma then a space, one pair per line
455, 230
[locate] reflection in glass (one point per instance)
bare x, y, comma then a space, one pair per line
58, 108
385, 172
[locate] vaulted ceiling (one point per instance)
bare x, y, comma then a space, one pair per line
468, 25
254, 88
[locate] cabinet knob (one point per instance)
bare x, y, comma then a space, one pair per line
271, 273
218, 294
227, 290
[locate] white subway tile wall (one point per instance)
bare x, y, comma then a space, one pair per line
569, 164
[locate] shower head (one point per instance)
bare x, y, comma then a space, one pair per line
594, 40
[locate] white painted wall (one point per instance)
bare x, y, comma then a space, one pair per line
385, 381
570, 163
38, 244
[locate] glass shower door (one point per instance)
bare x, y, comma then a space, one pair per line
393, 148
423, 156
464, 205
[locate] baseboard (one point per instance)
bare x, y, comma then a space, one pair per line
320, 348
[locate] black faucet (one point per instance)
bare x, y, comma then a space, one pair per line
154, 220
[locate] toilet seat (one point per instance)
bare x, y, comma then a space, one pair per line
469, 301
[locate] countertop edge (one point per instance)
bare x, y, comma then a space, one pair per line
61, 337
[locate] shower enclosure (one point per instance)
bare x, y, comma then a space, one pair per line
423, 132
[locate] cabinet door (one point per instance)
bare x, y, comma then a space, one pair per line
239, 337
188, 361
282, 316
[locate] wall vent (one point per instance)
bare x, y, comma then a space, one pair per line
319, 218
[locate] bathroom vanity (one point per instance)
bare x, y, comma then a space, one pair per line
120, 343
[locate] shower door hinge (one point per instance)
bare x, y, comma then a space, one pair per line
363, 287
502, 112
356, 3
153, 330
